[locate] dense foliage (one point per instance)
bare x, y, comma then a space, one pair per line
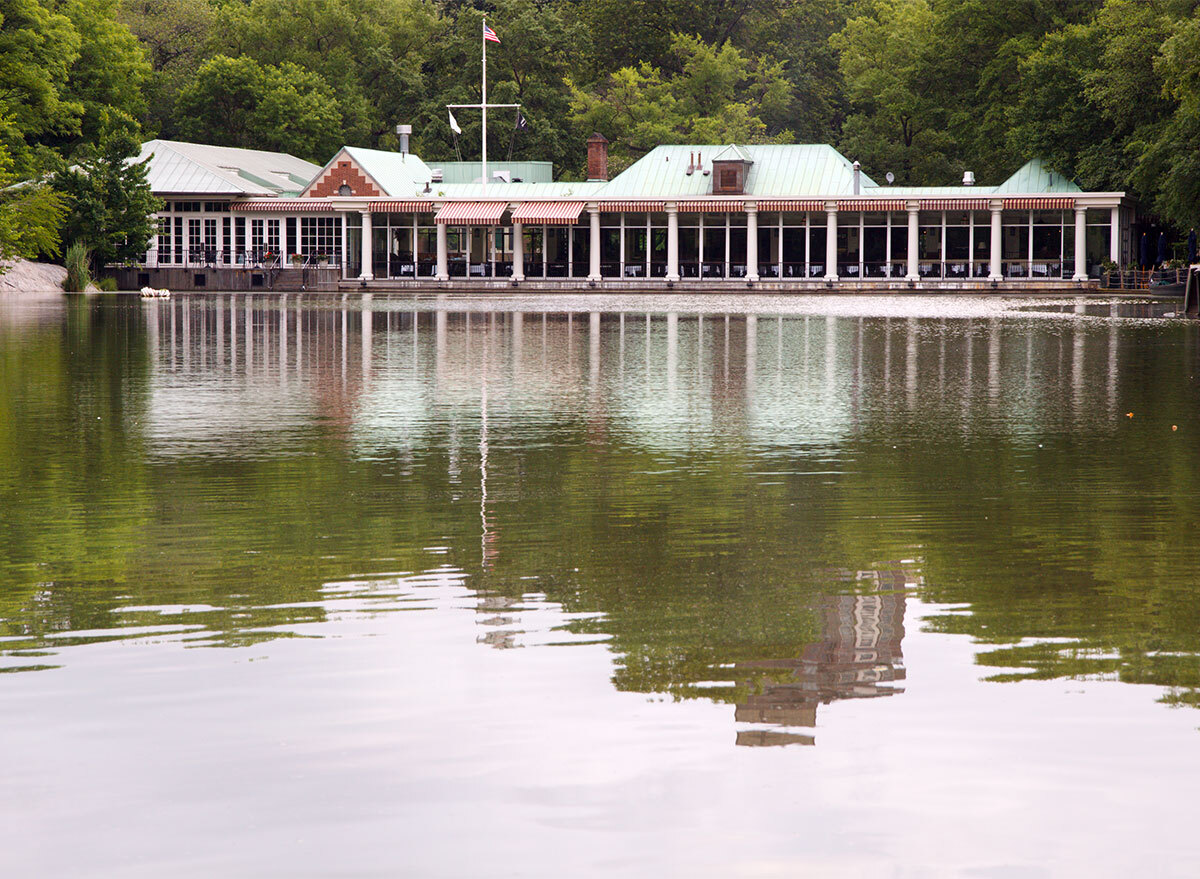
1107, 91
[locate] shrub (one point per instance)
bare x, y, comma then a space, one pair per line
78, 262
108, 285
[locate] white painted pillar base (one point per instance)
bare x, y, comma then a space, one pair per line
443, 259
914, 241
672, 242
1080, 245
367, 259
752, 243
994, 273
518, 272
594, 244
831, 243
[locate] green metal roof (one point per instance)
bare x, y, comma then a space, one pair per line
929, 191
400, 174
517, 191
778, 171
1034, 176
468, 172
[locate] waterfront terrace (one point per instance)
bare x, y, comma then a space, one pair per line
696, 216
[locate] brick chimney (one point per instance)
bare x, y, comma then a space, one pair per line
597, 157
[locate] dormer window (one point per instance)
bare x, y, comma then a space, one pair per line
730, 167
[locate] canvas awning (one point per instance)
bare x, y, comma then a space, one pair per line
401, 207
472, 213
612, 207
1042, 203
799, 205
954, 204
550, 213
279, 205
712, 207
872, 204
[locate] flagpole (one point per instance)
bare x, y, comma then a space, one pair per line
483, 42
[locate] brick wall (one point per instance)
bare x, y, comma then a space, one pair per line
344, 174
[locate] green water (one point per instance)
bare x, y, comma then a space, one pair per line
936, 556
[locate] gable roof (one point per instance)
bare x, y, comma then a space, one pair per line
1034, 176
397, 174
732, 153
777, 171
180, 168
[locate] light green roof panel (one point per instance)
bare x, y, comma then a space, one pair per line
398, 173
929, 191
778, 171
1033, 177
519, 191
468, 172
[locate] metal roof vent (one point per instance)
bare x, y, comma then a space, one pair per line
968, 178
435, 175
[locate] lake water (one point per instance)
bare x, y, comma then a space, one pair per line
666, 586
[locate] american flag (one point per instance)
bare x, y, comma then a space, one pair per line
490, 35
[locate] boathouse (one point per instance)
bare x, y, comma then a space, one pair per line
698, 216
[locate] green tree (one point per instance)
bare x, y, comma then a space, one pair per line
30, 216
37, 50
176, 37
108, 198
107, 76
897, 123
369, 52
720, 96
239, 102
539, 48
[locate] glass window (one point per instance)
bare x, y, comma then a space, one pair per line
929, 243
1015, 243
322, 236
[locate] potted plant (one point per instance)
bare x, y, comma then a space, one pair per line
297, 260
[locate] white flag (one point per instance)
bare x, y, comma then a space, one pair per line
454, 123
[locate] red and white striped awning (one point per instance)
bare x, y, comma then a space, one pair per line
550, 213
712, 207
872, 204
791, 204
612, 207
472, 213
1039, 203
401, 207
954, 204
279, 205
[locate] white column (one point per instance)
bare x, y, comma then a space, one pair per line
443, 260
995, 274
345, 248
751, 242
367, 261
1080, 244
594, 240
672, 241
831, 241
914, 238
518, 272
1114, 235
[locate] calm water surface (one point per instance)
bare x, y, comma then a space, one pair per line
801, 586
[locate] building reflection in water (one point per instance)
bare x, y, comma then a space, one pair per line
858, 657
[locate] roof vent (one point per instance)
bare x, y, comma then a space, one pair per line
968, 178
435, 174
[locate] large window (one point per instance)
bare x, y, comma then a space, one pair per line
321, 237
